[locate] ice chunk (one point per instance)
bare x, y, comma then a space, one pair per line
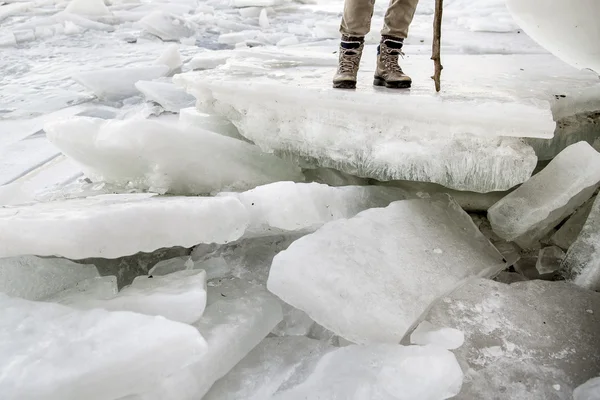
171, 265
167, 26
118, 83
91, 289
549, 260
582, 262
509, 277
381, 372
171, 58
263, 19
588, 391
238, 317
295, 322
266, 368
238, 37
523, 338
369, 278
333, 177
541, 203
132, 152
288, 41
255, 3
169, 96
52, 352
447, 338
568, 233
88, 7
35, 278
295, 207
209, 59
192, 118
110, 226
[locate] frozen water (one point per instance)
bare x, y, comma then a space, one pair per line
354, 278
132, 152
522, 339
295, 207
192, 118
209, 60
510, 277
35, 278
111, 226
532, 210
295, 322
266, 368
171, 265
582, 263
588, 391
570, 31
238, 37
171, 58
167, 26
256, 3
549, 260
446, 338
263, 19
88, 8
381, 372
169, 96
118, 83
52, 352
570, 230
86, 291
333, 177
238, 317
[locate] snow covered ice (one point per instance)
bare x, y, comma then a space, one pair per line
110, 226
352, 277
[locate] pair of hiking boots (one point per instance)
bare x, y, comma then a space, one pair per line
388, 72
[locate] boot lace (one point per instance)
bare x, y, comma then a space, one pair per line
391, 60
349, 60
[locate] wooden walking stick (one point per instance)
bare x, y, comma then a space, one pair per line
437, 41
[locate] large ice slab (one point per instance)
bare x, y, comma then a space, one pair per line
170, 97
91, 289
132, 152
35, 278
111, 226
167, 26
465, 138
267, 367
582, 263
532, 210
533, 340
588, 391
52, 352
570, 230
118, 83
381, 372
369, 278
238, 317
284, 207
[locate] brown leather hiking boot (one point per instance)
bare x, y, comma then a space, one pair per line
388, 72
350, 53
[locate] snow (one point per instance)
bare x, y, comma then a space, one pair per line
381, 372
131, 152
117, 84
169, 96
353, 276
49, 351
35, 278
111, 226
532, 210
570, 31
92, 8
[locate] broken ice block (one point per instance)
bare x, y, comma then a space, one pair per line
570, 230
171, 265
132, 152
255, 3
192, 118
295, 322
582, 262
118, 83
169, 96
531, 211
93, 8
446, 338
534, 340
369, 278
171, 57
35, 278
382, 372
52, 352
295, 207
510, 277
588, 391
167, 26
267, 367
210, 59
549, 260
238, 317
110, 226
86, 291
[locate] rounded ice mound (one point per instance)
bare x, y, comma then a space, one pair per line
88, 8
568, 29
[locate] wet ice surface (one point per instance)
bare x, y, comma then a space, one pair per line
178, 207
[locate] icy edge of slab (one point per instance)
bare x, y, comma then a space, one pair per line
111, 226
377, 136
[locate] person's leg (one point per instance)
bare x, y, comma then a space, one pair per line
397, 20
356, 23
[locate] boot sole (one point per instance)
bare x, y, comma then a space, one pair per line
344, 85
392, 85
